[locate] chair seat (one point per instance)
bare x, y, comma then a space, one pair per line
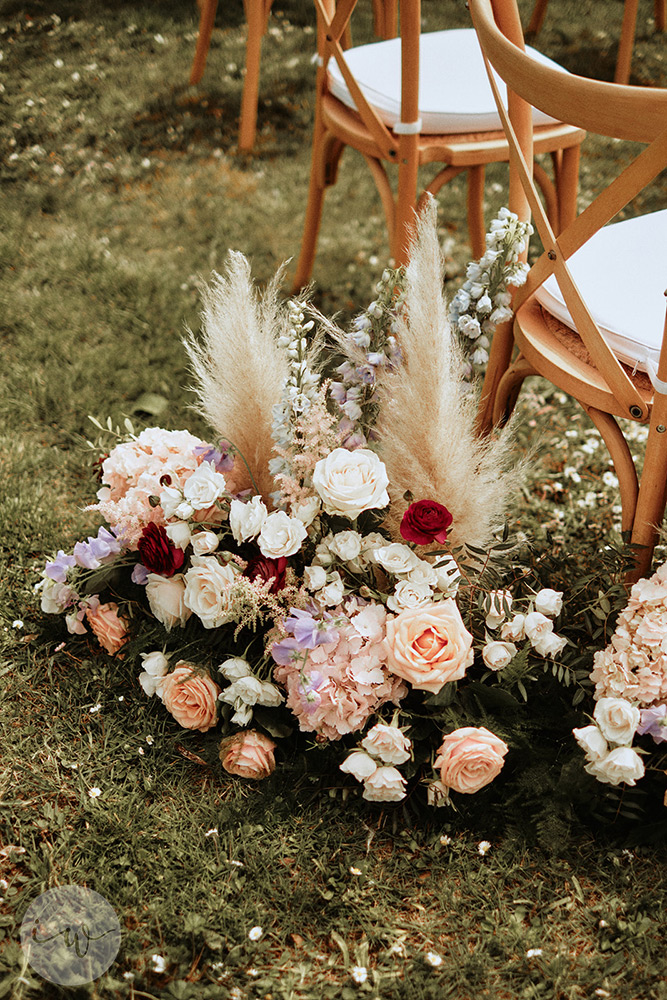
622, 277
454, 91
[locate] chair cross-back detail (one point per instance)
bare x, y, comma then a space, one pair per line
410, 101
591, 315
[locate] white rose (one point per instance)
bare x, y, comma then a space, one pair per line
388, 743
166, 597
315, 577
346, 545
621, 764
204, 542
422, 572
448, 576
497, 655
246, 519
271, 696
173, 504
498, 605
308, 510
332, 593
549, 645
514, 629
592, 742
178, 534
617, 719
396, 558
204, 487
207, 586
409, 595
155, 665
350, 482
359, 764
549, 602
386, 784
234, 667
281, 535
246, 689
370, 543
536, 626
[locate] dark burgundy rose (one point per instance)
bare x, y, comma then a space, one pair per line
157, 551
426, 521
267, 569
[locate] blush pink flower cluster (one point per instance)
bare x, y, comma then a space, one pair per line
343, 682
634, 664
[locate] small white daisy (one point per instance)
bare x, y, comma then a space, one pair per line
359, 974
533, 952
213, 832
433, 959
159, 963
255, 933
95, 792
355, 871
484, 847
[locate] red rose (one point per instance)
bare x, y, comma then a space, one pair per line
158, 553
267, 569
425, 521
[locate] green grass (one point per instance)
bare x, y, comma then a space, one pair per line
121, 188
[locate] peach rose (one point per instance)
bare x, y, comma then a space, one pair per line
191, 697
469, 759
248, 754
429, 646
109, 628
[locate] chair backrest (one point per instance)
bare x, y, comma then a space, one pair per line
638, 114
333, 18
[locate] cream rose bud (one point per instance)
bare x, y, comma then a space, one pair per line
204, 487
388, 743
515, 629
155, 665
370, 544
207, 587
281, 535
497, 655
536, 626
174, 505
315, 577
204, 542
550, 644
166, 597
498, 605
350, 482
234, 667
359, 765
307, 511
448, 575
178, 534
409, 595
332, 593
592, 742
396, 558
549, 602
617, 719
621, 764
385, 784
246, 519
346, 545
437, 794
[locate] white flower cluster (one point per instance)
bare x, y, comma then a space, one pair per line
245, 690
374, 764
484, 301
536, 626
301, 385
609, 755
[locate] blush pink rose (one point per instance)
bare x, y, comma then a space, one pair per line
109, 628
469, 759
429, 646
191, 697
248, 754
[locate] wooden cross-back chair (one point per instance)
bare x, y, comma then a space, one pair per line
417, 100
591, 315
628, 29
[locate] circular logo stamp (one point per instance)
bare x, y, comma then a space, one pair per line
70, 935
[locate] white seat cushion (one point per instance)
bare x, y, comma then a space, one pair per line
454, 91
622, 276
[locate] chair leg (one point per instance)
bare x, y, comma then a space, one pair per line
206, 22
476, 224
500, 356
626, 42
652, 492
567, 186
406, 200
256, 18
326, 156
624, 465
660, 14
379, 175
537, 17
508, 390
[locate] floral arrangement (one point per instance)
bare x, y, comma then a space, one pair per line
334, 562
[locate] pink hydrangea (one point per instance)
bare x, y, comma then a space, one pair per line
634, 664
343, 682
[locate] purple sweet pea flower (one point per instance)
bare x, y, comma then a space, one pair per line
140, 575
286, 651
653, 721
308, 688
57, 570
223, 459
307, 630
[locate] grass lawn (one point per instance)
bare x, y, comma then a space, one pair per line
121, 187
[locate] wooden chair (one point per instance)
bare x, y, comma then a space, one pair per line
591, 316
417, 100
257, 15
628, 28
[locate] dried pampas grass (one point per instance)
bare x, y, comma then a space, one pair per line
427, 419
238, 366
